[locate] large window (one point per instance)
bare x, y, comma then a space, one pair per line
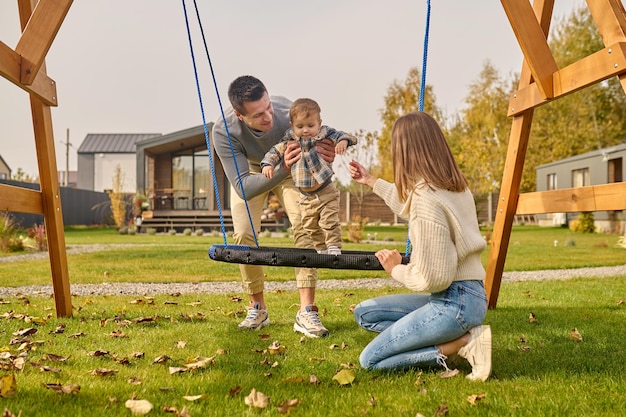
191, 179
580, 177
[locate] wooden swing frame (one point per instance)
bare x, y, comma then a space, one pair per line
541, 81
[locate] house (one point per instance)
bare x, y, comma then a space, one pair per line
99, 156
603, 166
5, 171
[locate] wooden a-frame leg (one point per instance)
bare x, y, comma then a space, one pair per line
507, 203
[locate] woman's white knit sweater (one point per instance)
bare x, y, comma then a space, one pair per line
445, 238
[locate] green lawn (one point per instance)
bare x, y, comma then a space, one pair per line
184, 356
118, 348
165, 258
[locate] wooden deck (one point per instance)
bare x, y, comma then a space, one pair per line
179, 220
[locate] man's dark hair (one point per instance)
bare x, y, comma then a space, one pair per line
245, 88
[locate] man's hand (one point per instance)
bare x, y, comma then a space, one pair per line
326, 149
293, 153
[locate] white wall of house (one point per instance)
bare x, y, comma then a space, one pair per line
105, 165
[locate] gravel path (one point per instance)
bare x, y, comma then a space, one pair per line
123, 288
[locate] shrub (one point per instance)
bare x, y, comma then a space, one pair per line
199, 232
172, 232
151, 231
9, 240
187, 232
38, 234
585, 223
355, 228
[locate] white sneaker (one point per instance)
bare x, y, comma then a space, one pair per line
333, 250
255, 319
308, 323
478, 352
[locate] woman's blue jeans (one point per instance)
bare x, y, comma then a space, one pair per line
412, 325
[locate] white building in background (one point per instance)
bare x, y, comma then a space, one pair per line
602, 166
99, 155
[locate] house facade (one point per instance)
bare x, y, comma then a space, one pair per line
99, 155
5, 171
603, 166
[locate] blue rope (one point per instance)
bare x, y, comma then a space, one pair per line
422, 86
206, 132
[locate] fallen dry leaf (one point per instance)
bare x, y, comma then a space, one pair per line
344, 377
161, 359
234, 391
442, 410
288, 406
103, 372
575, 335
257, 399
177, 370
64, 389
449, 373
193, 397
276, 348
313, 380
201, 362
138, 406
181, 344
532, 318
474, 399
25, 332
8, 386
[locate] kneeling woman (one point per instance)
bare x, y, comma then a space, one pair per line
445, 313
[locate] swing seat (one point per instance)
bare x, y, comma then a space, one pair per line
296, 257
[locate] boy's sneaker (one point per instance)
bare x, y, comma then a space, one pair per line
333, 250
255, 319
478, 353
308, 322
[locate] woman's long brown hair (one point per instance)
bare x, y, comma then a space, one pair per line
421, 153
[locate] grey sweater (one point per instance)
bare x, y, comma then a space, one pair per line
249, 147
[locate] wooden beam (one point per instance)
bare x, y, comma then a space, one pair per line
20, 200
574, 200
590, 70
610, 20
533, 42
512, 175
50, 190
42, 87
38, 34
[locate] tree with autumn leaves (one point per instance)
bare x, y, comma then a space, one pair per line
592, 118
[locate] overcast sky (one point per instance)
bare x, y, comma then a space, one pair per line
124, 66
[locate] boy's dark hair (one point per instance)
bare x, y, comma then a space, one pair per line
245, 88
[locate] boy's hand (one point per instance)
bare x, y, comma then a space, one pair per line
341, 147
268, 172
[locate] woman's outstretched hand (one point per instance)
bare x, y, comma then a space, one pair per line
389, 259
360, 174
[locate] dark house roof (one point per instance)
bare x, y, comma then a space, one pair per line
113, 142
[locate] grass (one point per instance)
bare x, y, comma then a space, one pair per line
538, 370
165, 258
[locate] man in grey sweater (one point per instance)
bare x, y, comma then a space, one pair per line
255, 123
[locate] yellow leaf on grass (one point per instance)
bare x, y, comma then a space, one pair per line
201, 362
257, 399
8, 386
344, 377
193, 397
276, 348
138, 406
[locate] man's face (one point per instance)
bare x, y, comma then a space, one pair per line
306, 127
259, 114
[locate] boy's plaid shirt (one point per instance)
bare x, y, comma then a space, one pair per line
311, 168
